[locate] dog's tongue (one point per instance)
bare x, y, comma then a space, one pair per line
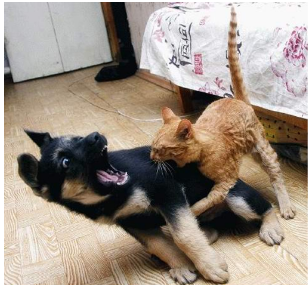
103, 176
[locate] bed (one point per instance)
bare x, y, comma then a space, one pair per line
186, 43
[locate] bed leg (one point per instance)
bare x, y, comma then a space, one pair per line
184, 97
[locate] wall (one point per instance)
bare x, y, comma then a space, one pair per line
138, 14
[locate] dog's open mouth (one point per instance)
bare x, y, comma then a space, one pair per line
109, 174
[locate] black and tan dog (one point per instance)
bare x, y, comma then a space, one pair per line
125, 188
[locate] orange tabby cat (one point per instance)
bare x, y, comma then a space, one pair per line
227, 130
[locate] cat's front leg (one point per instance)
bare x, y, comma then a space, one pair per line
216, 196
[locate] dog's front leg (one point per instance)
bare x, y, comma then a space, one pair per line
157, 243
192, 241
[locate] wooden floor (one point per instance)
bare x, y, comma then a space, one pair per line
45, 244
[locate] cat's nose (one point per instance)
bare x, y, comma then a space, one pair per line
152, 155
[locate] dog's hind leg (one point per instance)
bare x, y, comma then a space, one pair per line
272, 167
271, 232
157, 243
249, 204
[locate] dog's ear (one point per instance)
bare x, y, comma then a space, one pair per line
167, 115
184, 129
28, 169
39, 138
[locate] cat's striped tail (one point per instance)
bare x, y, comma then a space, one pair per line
239, 88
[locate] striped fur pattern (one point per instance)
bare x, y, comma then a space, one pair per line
226, 131
239, 88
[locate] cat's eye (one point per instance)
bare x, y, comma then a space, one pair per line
65, 162
162, 150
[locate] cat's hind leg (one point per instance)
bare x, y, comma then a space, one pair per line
270, 163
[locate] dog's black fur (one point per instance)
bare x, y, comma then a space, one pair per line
78, 160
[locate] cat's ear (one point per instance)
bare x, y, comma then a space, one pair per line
184, 129
40, 139
167, 115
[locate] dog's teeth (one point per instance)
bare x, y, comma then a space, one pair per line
124, 181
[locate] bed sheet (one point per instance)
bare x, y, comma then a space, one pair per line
187, 44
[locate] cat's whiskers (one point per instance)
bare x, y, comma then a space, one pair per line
169, 168
157, 166
163, 168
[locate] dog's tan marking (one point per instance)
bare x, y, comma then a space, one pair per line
193, 242
79, 192
271, 232
89, 197
239, 206
72, 188
164, 248
138, 202
105, 220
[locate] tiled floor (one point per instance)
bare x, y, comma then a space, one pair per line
45, 244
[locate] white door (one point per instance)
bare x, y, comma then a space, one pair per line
30, 41
49, 38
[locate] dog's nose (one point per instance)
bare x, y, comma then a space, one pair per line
93, 138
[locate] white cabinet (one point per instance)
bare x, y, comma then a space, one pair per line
49, 38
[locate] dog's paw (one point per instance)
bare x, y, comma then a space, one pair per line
287, 212
183, 275
271, 234
214, 268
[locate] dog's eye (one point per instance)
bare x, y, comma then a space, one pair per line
65, 162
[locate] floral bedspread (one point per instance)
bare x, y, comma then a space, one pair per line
187, 44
